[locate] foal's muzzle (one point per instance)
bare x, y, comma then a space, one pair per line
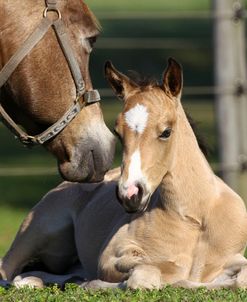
137, 202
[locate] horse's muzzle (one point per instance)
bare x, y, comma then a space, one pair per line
88, 166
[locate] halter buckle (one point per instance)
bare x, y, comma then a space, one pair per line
28, 140
52, 9
91, 96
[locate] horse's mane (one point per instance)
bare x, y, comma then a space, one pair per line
200, 138
149, 81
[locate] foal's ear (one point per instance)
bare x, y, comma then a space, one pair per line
172, 82
120, 83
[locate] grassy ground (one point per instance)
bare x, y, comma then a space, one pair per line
168, 294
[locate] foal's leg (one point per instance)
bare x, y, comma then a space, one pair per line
117, 262
145, 276
141, 276
21, 251
46, 233
130, 264
226, 280
234, 275
39, 279
99, 284
113, 175
241, 280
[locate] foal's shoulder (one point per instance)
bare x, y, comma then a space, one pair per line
228, 210
228, 196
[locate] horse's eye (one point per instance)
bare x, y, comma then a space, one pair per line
166, 134
92, 41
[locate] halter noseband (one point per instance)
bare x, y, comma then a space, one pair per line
83, 97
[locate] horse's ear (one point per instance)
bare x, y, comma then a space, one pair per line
120, 83
172, 82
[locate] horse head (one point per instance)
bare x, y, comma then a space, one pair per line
147, 127
42, 89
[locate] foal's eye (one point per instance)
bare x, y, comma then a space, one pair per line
92, 41
166, 134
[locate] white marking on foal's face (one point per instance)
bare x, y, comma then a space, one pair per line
136, 118
135, 172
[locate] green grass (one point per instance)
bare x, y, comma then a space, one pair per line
75, 293
9, 222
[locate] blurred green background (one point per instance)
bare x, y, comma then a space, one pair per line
138, 43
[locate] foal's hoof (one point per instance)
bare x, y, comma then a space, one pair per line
97, 284
32, 282
145, 277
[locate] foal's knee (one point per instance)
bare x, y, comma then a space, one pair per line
145, 276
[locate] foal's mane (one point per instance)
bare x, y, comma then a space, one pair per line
147, 82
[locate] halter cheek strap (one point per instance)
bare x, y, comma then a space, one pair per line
83, 97
89, 98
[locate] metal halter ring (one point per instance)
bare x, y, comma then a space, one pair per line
49, 9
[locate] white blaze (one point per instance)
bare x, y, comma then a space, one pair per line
135, 172
136, 118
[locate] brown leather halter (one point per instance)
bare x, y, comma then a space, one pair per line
83, 97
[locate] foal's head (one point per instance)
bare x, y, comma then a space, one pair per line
42, 89
147, 129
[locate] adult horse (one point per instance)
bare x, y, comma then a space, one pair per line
46, 87
186, 227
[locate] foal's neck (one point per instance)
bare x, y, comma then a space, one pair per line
190, 184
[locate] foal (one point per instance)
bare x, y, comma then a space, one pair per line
185, 226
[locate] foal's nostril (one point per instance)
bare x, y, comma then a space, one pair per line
132, 190
132, 204
140, 191
130, 197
